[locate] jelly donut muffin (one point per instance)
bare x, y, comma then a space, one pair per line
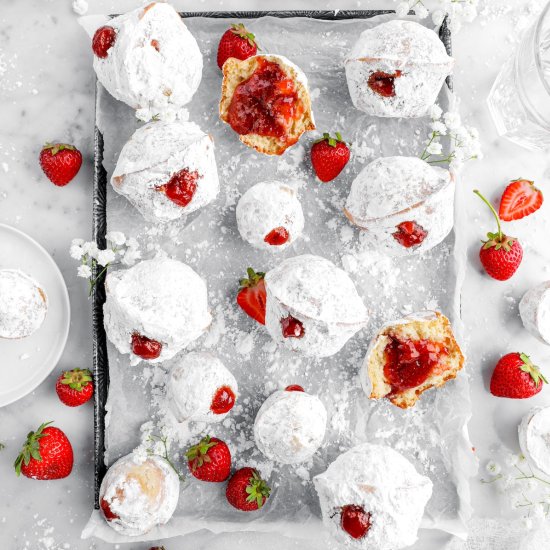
534, 438
265, 99
396, 69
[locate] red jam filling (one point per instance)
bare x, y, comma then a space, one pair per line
409, 363
294, 387
107, 512
277, 236
355, 521
223, 400
145, 347
266, 104
409, 234
181, 187
383, 83
292, 328
104, 39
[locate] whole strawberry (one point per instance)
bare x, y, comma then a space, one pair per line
46, 454
246, 490
251, 296
500, 255
520, 198
516, 377
60, 162
329, 156
209, 460
75, 387
236, 42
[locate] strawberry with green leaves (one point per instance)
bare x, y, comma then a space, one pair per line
236, 42
252, 295
516, 377
46, 454
209, 460
500, 255
329, 156
75, 387
246, 490
60, 162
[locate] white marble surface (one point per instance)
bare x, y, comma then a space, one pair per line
46, 92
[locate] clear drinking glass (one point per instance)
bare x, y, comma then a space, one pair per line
520, 98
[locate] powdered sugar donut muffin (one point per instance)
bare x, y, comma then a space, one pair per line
402, 205
534, 438
534, 309
23, 304
312, 307
201, 389
409, 356
167, 170
270, 216
290, 426
396, 69
155, 309
138, 494
373, 498
265, 99
154, 63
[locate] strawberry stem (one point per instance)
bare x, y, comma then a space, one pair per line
492, 210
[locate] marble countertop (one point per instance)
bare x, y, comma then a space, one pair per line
47, 92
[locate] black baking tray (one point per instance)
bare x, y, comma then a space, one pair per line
100, 357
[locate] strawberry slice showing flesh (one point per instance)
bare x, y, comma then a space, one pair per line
521, 198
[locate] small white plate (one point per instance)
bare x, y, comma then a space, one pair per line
25, 363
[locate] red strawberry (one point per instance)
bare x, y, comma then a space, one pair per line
516, 377
500, 255
329, 156
104, 39
75, 387
209, 460
236, 42
46, 454
60, 162
519, 199
246, 490
251, 297
355, 521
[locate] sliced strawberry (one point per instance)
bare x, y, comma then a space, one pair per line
252, 296
521, 198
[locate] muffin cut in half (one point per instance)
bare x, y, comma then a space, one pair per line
265, 99
409, 356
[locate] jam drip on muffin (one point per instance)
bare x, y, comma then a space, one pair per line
223, 400
265, 104
181, 187
409, 234
355, 521
292, 328
144, 347
383, 83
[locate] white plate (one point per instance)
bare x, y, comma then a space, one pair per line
25, 363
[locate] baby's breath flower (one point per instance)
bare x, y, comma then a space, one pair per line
439, 127
434, 148
402, 9
437, 17
105, 257
452, 120
84, 271
493, 468
421, 11
116, 237
435, 112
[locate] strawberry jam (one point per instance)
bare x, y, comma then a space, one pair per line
223, 400
266, 104
277, 236
355, 521
410, 362
409, 234
145, 347
294, 387
181, 187
107, 512
292, 328
383, 83
103, 40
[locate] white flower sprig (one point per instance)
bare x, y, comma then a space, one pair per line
90, 256
459, 11
464, 140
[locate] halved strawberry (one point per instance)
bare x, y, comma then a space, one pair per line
251, 297
519, 199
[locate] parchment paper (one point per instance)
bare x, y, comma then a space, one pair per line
433, 434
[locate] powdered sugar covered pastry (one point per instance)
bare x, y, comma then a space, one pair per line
534, 309
167, 170
270, 216
534, 438
155, 309
23, 304
201, 388
402, 204
396, 69
290, 426
373, 498
137, 495
312, 307
153, 64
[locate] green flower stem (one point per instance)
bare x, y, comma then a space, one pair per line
492, 210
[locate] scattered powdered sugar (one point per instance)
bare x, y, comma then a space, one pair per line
80, 7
